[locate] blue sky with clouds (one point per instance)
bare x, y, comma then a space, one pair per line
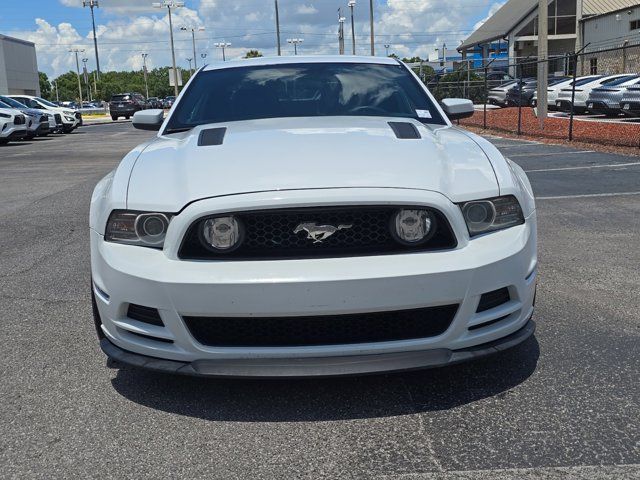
126, 28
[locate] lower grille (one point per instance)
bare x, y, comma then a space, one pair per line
19, 120
271, 234
58, 118
321, 330
493, 299
144, 314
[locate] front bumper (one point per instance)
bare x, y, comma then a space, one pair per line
11, 133
124, 275
603, 108
631, 109
320, 366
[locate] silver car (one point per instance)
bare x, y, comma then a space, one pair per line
630, 103
583, 89
498, 95
606, 100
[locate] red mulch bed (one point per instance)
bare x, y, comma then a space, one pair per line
604, 133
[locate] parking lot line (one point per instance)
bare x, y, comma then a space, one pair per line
550, 154
589, 195
585, 167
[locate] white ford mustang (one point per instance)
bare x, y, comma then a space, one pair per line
311, 216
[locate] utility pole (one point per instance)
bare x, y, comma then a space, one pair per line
543, 65
193, 42
55, 84
223, 46
93, 4
144, 70
341, 20
278, 28
373, 47
169, 4
352, 3
76, 51
85, 75
295, 42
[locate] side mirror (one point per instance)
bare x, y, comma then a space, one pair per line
148, 119
457, 108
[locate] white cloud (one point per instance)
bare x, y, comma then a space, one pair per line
126, 28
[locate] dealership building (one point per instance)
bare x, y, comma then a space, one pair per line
610, 30
18, 67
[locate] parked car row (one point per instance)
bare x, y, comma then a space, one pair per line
126, 104
26, 116
608, 95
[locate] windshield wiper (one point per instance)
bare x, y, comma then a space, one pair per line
177, 130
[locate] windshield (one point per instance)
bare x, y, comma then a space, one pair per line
46, 102
13, 103
303, 90
4, 105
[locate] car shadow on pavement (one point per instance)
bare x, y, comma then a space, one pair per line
326, 399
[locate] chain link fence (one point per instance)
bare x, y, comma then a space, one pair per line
575, 112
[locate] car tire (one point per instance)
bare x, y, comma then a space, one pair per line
3, 141
127, 117
67, 129
114, 118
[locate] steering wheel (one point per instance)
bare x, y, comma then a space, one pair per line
367, 108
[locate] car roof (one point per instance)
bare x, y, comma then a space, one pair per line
260, 61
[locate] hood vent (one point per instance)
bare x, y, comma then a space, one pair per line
405, 130
212, 136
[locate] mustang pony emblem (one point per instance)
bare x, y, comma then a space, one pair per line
318, 233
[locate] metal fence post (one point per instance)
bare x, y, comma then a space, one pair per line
520, 102
573, 95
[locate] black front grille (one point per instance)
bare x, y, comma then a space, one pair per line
19, 120
270, 234
321, 330
58, 118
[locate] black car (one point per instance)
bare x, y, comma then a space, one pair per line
168, 102
126, 104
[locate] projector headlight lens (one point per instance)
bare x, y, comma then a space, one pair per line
493, 214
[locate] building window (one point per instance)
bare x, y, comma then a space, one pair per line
562, 20
634, 25
593, 66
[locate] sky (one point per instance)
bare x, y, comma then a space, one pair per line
128, 28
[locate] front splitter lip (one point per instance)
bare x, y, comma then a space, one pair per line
319, 366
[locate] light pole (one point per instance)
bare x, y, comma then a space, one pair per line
373, 48
76, 51
55, 84
386, 46
190, 70
169, 4
193, 41
85, 75
144, 71
93, 4
341, 20
203, 56
295, 42
278, 28
352, 3
222, 45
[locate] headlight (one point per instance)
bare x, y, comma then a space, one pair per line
4, 115
222, 233
413, 227
70, 119
484, 216
137, 228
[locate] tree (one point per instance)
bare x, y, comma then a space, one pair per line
45, 86
253, 54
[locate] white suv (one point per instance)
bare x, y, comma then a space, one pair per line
13, 125
70, 119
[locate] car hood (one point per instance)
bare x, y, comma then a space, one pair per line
308, 153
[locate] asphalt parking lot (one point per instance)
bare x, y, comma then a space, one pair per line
565, 404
